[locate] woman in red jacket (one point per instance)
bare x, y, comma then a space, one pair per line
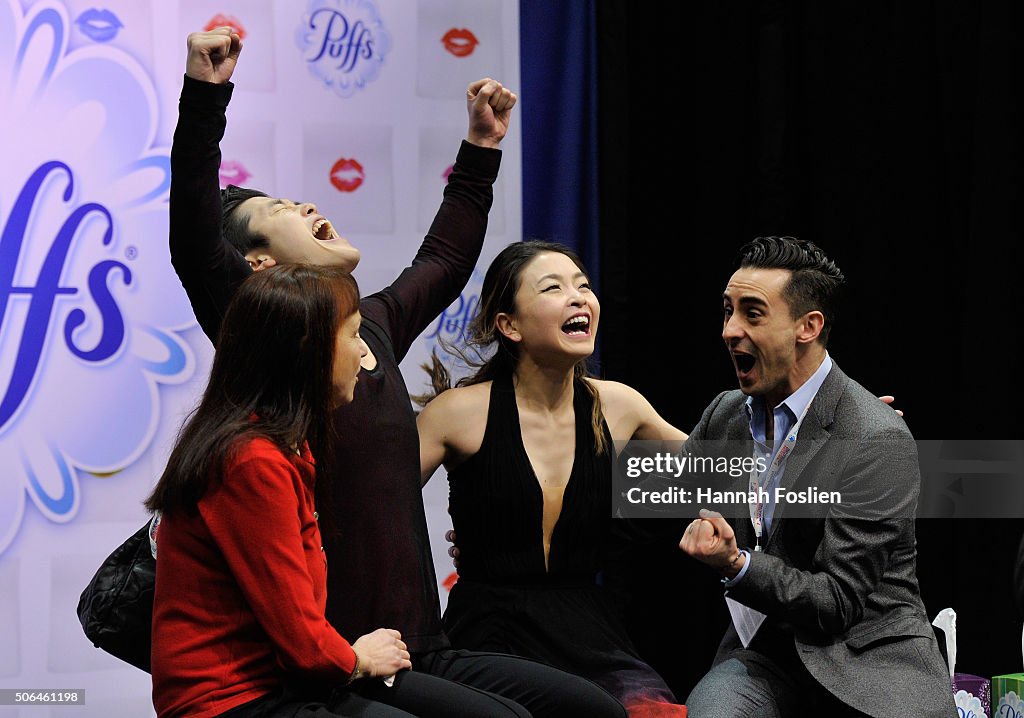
238, 624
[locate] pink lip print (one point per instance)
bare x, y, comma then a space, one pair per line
233, 172
447, 173
347, 175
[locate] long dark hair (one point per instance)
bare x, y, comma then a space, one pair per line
490, 352
271, 377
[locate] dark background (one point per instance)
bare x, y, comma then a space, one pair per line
658, 137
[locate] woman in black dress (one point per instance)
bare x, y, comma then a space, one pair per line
527, 443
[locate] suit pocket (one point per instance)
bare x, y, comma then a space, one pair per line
887, 630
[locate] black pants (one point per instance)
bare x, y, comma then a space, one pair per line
450, 684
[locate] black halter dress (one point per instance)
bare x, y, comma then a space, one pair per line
505, 600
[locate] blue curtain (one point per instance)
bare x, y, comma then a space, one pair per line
558, 59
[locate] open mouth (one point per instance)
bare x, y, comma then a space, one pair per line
323, 230
578, 326
744, 362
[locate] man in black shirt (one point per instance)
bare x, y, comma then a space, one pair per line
381, 569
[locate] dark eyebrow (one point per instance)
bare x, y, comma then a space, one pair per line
748, 300
558, 277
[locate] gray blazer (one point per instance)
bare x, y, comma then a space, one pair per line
844, 588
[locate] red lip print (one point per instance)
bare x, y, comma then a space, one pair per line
459, 42
452, 579
347, 175
220, 20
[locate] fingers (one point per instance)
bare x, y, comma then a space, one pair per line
481, 92
217, 41
474, 87
703, 534
690, 536
453, 551
449, 535
502, 100
400, 658
718, 522
212, 55
491, 92
889, 399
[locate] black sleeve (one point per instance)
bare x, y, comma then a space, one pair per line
209, 268
445, 260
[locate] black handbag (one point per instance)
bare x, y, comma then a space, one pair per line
116, 608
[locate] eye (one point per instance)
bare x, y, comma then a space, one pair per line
727, 310
585, 285
549, 288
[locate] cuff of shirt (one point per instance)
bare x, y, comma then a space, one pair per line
730, 582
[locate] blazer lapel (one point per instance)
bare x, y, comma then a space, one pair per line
738, 434
812, 437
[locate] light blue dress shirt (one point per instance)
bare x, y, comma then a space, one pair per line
785, 416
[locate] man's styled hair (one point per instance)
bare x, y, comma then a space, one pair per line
815, 280
234, 226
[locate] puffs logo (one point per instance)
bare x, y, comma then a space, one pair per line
448, 334
344, 43
452, 325
347, 175
99, 25
459, 42
89, 307
222, 20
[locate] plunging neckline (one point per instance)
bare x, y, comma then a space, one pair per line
535, 480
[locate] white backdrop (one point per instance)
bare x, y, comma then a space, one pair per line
100, 356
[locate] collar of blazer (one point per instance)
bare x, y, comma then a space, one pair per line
814, 432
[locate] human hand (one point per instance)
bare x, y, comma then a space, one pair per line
212, 55
453, 550
711, 540
382, 653
490, 108
889, 399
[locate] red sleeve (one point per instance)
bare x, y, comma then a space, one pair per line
255, 516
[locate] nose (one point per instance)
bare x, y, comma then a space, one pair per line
577, 298
732, 331
307, 208
363, 349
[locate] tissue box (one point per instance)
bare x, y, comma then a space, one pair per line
1008, 696
973, 695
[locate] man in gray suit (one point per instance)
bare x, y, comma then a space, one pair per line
827, 614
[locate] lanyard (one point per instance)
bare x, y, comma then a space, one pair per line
757, 508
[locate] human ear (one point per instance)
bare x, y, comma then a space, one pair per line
810, 327
506, 324
261, 261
